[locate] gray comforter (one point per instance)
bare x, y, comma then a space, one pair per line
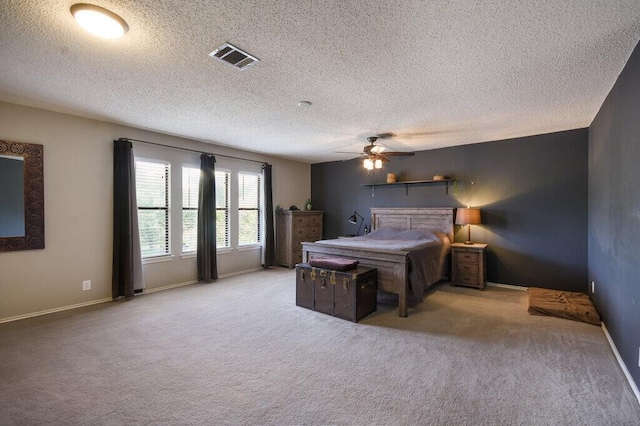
427, 252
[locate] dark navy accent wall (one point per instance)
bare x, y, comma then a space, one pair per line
532, 192
614, 213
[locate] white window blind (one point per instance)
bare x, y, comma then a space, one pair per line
222, 209
190, 187
190, 194
152, 194
248, 209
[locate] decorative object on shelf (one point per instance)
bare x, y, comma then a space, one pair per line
353, 220
468, 216
438, 177
294, 208
279, 208
307, 205
392, 178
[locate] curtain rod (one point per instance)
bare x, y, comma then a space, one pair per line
193, 150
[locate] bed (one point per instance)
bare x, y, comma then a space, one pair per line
399, 268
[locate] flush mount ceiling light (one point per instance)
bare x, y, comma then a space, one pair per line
98, 21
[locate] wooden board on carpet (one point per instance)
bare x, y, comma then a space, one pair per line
563, 304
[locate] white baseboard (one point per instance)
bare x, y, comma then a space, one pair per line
633, 385
54, 310
246, 271
509, 286
168, 287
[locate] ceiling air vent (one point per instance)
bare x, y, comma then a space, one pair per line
234, 56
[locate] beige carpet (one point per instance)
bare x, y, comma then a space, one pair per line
240, 352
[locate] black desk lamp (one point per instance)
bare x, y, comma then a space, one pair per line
354, 220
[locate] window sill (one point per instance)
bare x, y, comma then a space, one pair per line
193, 255
157, 259
251, 247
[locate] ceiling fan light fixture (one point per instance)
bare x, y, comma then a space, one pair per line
368, 164
99, 21
378, 163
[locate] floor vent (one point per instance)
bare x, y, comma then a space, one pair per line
234, 56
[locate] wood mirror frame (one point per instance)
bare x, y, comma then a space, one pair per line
33, 237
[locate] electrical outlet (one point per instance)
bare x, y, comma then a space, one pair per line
593, 287
86, 285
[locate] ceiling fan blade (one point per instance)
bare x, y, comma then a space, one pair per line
399, 154
377, 149
382, 158
386, 135
347, 152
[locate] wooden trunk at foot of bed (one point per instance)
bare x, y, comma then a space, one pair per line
392, 265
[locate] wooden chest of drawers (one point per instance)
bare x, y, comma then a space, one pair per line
469, 265
292, 228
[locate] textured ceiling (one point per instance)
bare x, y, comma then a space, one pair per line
437, 73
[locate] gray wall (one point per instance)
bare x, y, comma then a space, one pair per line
614, 212
532, 192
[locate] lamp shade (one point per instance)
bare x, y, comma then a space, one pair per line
468, 216
353, 219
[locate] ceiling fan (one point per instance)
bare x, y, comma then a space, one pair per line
375, 155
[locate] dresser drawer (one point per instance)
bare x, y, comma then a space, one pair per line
467, 257
468, 279
468, 268
314, 233
307, 220
299, 233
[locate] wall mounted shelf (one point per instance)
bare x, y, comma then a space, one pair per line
409, 183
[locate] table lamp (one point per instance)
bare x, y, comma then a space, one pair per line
468, 216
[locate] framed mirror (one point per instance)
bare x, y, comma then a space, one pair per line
21, 196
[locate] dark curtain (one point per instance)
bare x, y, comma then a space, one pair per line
127, 262
269, 249
207, 256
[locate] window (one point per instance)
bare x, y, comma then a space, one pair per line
190, 187
248, 209
152, 191
190, 193
222, 209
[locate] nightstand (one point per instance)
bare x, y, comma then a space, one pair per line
469, 265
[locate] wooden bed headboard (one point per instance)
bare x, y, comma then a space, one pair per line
431, 218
